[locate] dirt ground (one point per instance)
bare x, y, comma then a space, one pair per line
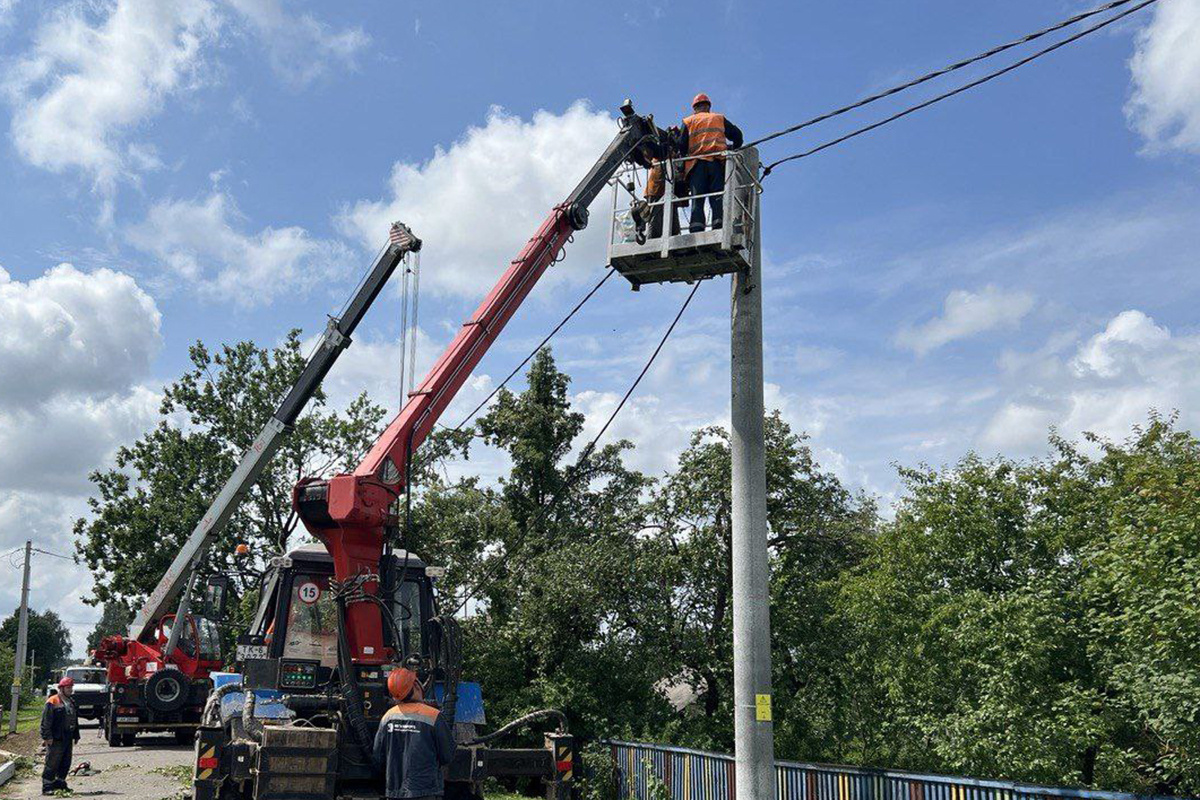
155, 768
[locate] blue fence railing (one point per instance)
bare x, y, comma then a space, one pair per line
699, 775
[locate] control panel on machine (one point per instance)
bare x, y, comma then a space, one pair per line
296, 673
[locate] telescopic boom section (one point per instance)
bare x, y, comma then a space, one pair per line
335, 339
348, 512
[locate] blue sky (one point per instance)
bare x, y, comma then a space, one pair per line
1016, 258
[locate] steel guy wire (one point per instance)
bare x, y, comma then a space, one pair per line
535, 350
576, 471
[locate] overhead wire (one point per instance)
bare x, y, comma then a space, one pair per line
535, 350
55, 555
966, 62
959, 90
576, 470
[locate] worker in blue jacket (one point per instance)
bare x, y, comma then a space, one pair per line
414, 742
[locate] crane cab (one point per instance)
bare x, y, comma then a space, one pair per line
296, 620
646, 247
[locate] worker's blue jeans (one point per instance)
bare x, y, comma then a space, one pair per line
706, 177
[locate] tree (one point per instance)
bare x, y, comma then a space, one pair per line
559, 568
1037, 621
47, 639
145, 507
1143, 601
815, 531
114, 621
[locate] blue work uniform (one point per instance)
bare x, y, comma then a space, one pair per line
412, 745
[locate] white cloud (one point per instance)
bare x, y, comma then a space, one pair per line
85, 84
1016, 425
55, 584
965, 314
199, 242
300, 47
1127, 336
97, 71
53, 446
1165, 104
75, 333
477, 203
1106, 385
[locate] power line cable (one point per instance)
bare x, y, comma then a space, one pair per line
576, 471
55, 555
535, 350
960, 89
966, 62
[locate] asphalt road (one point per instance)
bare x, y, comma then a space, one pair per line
150, 770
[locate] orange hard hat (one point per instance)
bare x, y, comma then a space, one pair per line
401, 682
242, 549
66, 682
700, 98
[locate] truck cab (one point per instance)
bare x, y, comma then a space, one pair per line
90, 692
296, 618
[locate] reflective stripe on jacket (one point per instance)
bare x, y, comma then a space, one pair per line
59, 720
706, 134
412, 745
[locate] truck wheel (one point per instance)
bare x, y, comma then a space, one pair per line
127, 739
110, 729
166, 691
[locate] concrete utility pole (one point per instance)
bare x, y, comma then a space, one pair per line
22, 638
753, 729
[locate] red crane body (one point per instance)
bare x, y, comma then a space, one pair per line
348, 512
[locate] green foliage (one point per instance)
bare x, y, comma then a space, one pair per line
48, 640
146, 506
7, 656
1032, 620
1038, 620
114, 621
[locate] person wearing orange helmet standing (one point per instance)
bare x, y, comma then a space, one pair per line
704, 139
60, 732
414, 741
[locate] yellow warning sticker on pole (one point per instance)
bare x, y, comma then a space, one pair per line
762, 707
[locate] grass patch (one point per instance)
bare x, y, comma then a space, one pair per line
29, 714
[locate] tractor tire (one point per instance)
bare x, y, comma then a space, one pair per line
167, 691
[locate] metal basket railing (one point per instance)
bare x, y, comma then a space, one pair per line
632, 211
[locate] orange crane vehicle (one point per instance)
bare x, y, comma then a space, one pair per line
297, 718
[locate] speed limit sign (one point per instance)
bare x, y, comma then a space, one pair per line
309, 592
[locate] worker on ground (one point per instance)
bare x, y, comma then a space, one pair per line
704, 139
414, 741
60, 731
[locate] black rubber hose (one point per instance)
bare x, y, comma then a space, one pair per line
519, 721
212, 708
351, 697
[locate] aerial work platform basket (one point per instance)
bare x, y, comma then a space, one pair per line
644, 244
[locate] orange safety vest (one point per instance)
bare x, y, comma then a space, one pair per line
706, 134
655, 183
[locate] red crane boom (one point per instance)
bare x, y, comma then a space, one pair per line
348, 512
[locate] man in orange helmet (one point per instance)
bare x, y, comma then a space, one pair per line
60, 732
414, 741
704, 139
